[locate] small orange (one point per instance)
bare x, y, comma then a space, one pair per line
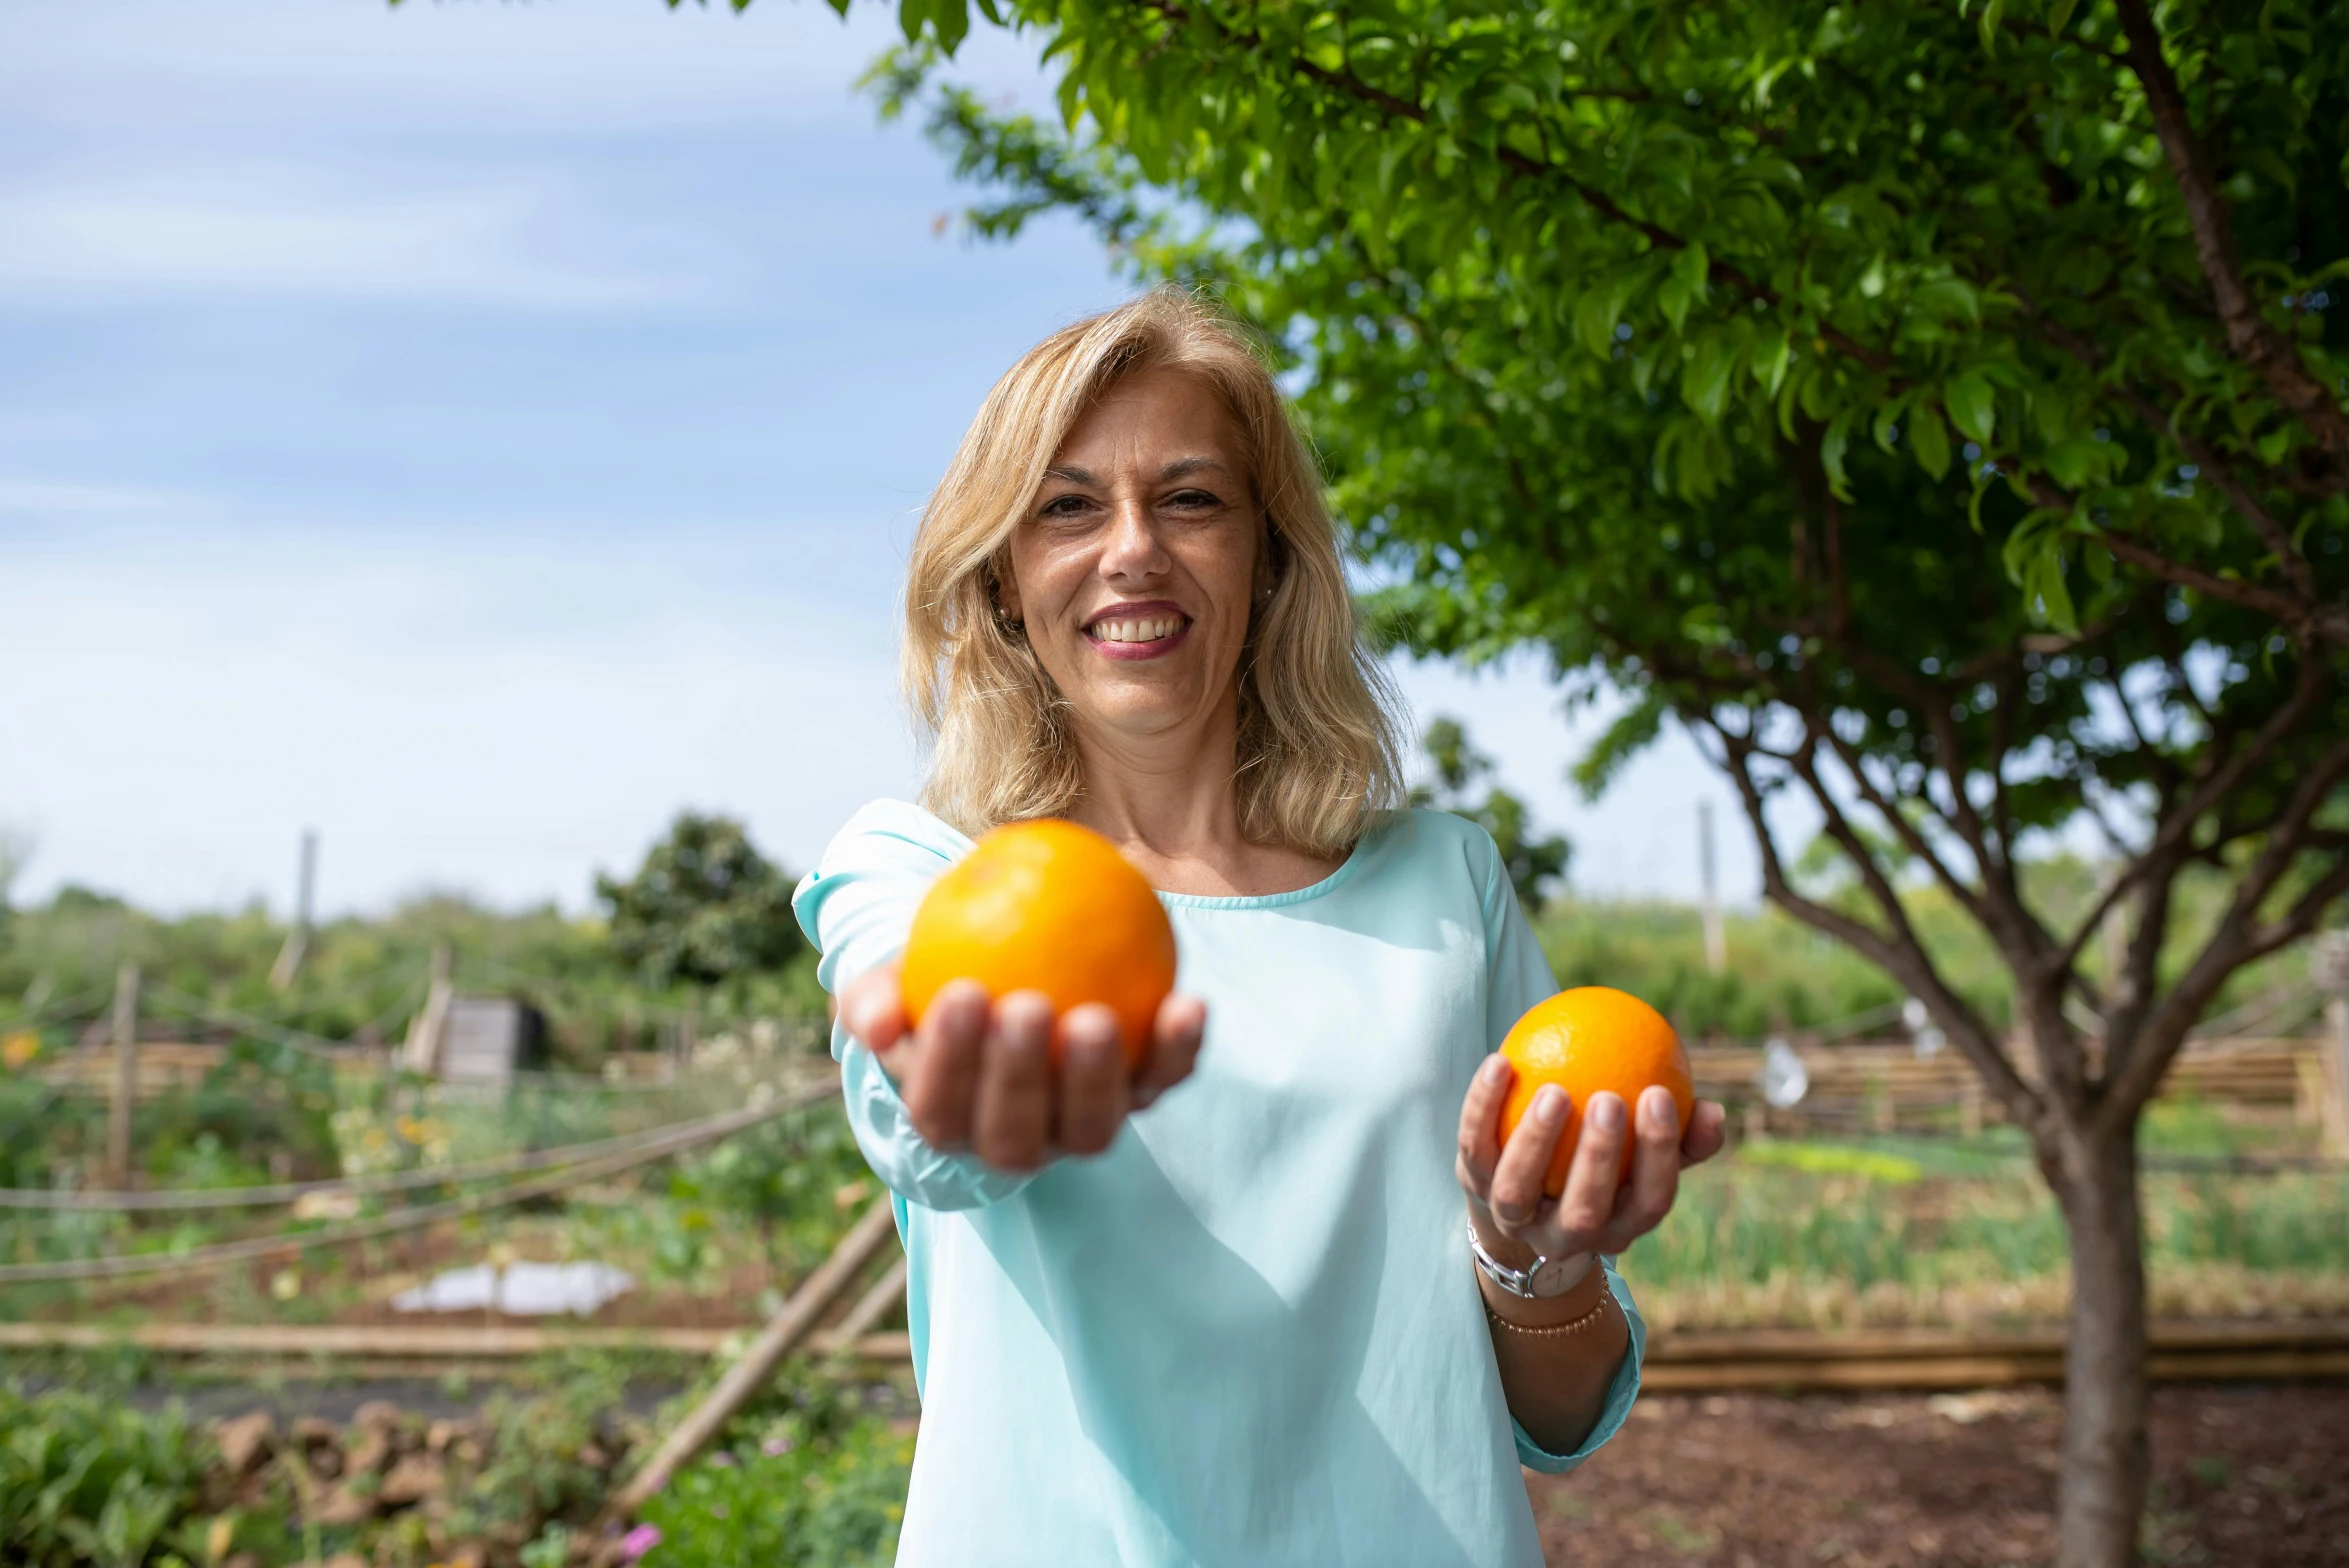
1588, 1039
1046, 906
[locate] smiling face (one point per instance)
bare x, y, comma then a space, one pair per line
1138, 568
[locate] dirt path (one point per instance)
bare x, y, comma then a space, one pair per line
2246, 1477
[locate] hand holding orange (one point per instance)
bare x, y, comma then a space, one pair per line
1586, 1040
1051, 907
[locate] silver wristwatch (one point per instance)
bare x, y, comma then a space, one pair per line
1544, 1279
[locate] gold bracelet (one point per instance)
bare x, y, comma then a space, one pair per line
1571, 1325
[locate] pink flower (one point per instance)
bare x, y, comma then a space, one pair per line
775, 1447
639, 1541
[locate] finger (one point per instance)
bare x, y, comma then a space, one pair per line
1525, 1158
1014, 1109
1708, 1129
1655, 1170
873, 1008
1092, 1079
938, 1064
1480, 1123
1174, 1049
1591, 1181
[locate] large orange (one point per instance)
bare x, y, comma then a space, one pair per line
1588, 1039
1046, 906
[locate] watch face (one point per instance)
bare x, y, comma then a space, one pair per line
1550, 1279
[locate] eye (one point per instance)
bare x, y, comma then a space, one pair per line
1194, 500
1064, 506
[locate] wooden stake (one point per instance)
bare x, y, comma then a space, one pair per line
2334, 1113
126, 1077
297, 940
420, 1053
870, 1308
1716, 941
746, 1377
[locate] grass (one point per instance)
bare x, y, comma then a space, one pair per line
1835, 1236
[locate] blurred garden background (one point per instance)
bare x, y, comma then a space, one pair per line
455, 467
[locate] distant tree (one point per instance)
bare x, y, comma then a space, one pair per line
704, 909
1533, 864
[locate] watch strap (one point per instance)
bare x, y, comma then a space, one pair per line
1543, 1280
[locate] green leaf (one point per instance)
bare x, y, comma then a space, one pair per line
2059, 16
1771, 354
1929, 439
1673, 299
1883, 428
2077, 463
1691, 268
1972, 406
1629, 735
1947, 299
1988, 26
1831, 447
1704, 380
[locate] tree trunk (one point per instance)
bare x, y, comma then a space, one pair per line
2105, 1459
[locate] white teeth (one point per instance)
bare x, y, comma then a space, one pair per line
1137, 631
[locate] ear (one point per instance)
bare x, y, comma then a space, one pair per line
1007, 593
1271, 562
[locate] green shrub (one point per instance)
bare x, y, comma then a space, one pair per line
787, 1491
89, 1481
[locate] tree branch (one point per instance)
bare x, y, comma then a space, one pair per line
2176, 830
1903, 957
2222, 473
2249, 334
2238, 938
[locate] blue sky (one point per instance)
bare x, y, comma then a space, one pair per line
478, 430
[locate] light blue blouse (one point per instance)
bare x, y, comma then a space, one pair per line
1249, 1332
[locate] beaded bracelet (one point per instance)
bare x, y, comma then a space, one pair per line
1571, 1325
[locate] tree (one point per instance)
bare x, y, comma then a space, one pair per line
1533, 864
1936, 408
705, 908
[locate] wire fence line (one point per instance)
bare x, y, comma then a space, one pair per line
278, 1194
675, 1141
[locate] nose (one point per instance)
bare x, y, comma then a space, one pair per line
1132, 552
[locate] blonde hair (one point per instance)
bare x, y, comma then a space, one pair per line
1317, 744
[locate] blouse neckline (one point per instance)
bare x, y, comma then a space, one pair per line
1329, 884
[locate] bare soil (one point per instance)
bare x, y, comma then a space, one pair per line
2245, 1477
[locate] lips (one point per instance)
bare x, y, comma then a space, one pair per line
1127, 631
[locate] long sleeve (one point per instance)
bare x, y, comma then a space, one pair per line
856, 907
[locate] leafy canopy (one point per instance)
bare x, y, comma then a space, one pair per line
1936, 407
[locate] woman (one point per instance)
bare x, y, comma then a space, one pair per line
1224, 1310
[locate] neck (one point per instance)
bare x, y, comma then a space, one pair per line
1167, 794
1171, 802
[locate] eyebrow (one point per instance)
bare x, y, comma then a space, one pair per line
1177, 469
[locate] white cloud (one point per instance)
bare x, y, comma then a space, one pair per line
272, 232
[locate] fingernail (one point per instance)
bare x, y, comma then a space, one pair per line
1657, 1110
1606, 1113
1496, 1070
1508, 1215
1549, 1103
